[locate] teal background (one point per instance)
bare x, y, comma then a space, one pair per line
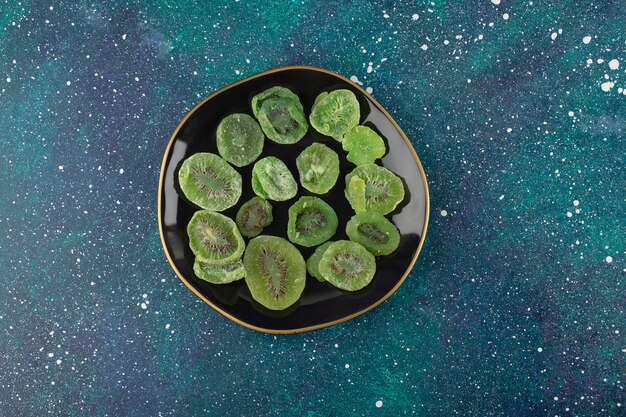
516, 305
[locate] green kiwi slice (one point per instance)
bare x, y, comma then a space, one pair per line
274, 92
347, 265
383, 189
313, 263
239, 139
318, 167
214, 238
282, 120
254, 216
271, 179
363, 145
219, 274
372, 230
335, 113
275, 272
311, 222
209, 182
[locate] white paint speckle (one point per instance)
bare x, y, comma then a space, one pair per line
576, 203
415, 16
121, 170
347, 366
586, 39
505, 16
136, 78
424, 47
501, 197
370, 68
369, 90
8, 79
124, 36
509, 130
167, 326
570, 113
379, 404
68, 82
609, 259
496, 2
554, 35
144, 306
614, 64
569, 214
539, 349
606, 86
444, 213
61, 167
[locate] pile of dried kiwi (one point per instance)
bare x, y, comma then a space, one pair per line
272, 267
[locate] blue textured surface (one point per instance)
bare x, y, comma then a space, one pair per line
516, 305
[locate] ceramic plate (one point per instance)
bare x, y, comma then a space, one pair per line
321, 304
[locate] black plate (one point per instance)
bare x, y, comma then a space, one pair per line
321, 304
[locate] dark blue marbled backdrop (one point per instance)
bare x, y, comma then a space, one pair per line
516, 305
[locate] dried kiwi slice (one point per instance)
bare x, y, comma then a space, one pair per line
313, 263
275, 272
311, 222
335, 113
271, 179
372, 230
239, 139
214, 238
274, 92
209, 182
254, 216
219, 274
363, 145
282, 120
347, 265
383, 189
318, 166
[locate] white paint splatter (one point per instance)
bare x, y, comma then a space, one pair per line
614, 64
609, 259
68, 82
121, 170
444, 213
347, 366
576, 203
505, 16
424, 47
570, 113
607, 86
539, 350
379, 404
415, 16
496, 2
569, 214
586, 39
554, 35
369, 90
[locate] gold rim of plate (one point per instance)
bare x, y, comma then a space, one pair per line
321, 325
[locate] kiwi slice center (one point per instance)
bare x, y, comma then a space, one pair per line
281, 120
373, 232
309, 220
346, 265
376, 190
209, 181
214, 239
254, 216
274, 269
